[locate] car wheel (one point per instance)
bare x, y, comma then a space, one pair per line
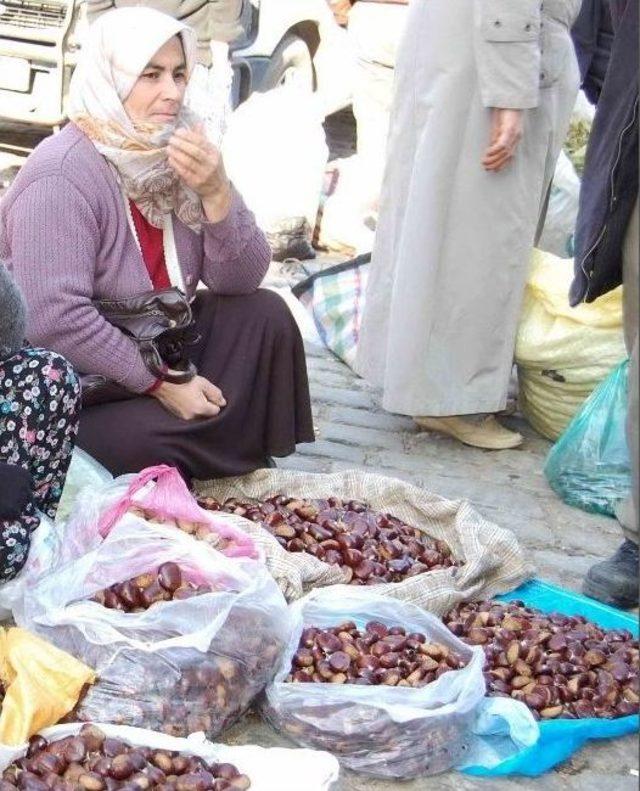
290, 63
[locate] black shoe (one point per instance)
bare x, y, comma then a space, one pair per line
270, 463
615, 581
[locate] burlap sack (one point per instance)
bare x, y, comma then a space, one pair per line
493, 560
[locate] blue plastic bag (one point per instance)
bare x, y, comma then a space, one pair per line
559, 739
589, 466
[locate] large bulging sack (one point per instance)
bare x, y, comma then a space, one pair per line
486, 558
563, 353
275, 152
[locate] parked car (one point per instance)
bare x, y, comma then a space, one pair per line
271, 42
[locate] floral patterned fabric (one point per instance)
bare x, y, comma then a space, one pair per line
39, 403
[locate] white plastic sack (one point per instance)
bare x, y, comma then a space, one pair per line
345, 219
398, 732
273, 769
560, 223
275, 153
201, 660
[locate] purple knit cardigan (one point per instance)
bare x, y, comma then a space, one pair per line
65, 237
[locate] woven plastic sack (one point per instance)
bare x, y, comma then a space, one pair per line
396, 732
559, 739
563, 353
183, 666
41, 684
589, 467
493, 559
273, 769
335, 298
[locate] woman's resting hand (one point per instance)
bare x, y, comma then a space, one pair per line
195, 399
199, 165
506, 132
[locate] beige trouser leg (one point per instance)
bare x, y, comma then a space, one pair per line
628, 512
375, 31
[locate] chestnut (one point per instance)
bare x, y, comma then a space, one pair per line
560, 666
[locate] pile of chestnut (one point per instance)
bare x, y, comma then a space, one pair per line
558, 665
377, 655
371, 548
92, 761
139, 593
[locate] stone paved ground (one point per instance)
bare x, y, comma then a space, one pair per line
507, 487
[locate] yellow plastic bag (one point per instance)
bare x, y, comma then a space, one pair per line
42, 684
563, 353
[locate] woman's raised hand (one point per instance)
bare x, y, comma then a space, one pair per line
506, 132
199, 165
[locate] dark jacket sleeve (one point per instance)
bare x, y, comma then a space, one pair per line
15, 491
593, 40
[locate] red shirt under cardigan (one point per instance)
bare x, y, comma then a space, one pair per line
152, 248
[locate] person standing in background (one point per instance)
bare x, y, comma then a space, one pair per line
607, 238
375, 28
483, 98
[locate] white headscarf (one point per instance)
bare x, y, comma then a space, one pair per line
115, 52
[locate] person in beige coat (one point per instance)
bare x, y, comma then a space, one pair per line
483, 98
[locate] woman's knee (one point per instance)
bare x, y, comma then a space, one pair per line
271, 308
59, 380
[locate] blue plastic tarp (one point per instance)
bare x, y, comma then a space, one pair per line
559, 739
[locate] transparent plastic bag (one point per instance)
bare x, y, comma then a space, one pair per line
395, 732
560, 222
160, 497
272, 769
44, 554
589, 466
180, 666
84, 471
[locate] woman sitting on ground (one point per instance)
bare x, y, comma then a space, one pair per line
132, 197
39, 397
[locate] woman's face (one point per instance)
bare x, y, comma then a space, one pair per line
158, 93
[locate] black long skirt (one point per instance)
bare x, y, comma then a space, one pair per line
250, 347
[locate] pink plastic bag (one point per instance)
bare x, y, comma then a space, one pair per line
168, 500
